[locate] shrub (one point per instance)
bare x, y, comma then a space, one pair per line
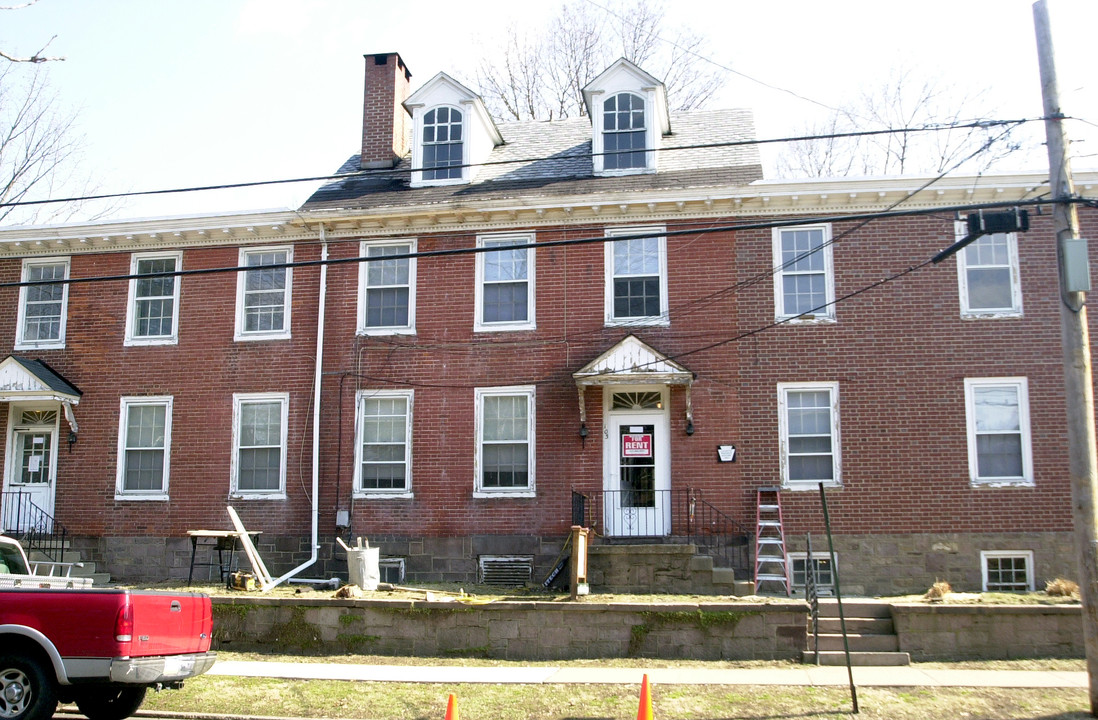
938, 591
1061, 587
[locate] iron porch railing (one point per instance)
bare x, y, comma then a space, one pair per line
21, 519
666, 516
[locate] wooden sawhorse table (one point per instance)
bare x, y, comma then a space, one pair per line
225, 542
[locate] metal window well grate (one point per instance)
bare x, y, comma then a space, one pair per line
505, 570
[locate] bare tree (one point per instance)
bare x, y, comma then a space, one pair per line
40, 151
37, 57
541, 77
929, 131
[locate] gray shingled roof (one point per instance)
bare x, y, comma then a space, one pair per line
554, 159
47, 375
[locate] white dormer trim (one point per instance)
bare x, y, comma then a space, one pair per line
479, 132
625, 77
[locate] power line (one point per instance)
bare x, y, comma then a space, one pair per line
390, 172
786, 222
713, 62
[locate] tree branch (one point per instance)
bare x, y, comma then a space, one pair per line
35, 58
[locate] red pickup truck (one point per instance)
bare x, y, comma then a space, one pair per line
99, 648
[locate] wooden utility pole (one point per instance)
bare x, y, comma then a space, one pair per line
1076, 342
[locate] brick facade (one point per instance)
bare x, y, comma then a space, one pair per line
899, 353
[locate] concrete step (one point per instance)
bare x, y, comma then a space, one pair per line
858, 642
87, 568
861, 659
859, 626
855, 608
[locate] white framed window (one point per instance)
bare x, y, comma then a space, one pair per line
152, 310
144, 448
259, 445
1007, 570
387, 295
443, 145
988, 276
997, 414
263, 293
636, 277
804, 277
504, 428
808, 419
43, 309
624, 133
505, 283
383, 451
820, 564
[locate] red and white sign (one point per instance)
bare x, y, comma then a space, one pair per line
636, 445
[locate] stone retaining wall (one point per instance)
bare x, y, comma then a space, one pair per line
512, 630
956, 632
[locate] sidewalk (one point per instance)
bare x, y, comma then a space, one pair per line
537, 675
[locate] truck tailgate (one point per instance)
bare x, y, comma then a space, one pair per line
170, 623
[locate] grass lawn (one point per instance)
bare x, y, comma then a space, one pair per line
413, 701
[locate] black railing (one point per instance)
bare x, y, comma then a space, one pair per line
21, 519
666, 516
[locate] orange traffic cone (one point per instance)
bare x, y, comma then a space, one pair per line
644, 712
452, 709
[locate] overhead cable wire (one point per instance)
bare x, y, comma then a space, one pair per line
451, 252
389, 172
713, 62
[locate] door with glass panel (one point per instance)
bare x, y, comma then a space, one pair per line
31, 471
637, 477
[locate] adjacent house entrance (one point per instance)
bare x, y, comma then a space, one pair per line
31, 469
36, 398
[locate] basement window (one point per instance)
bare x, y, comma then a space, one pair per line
820, 565
505, 570
1007, 571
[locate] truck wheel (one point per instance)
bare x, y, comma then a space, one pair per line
26, 692
110, 703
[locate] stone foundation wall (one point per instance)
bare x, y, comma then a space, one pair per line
959, 632
883, 565
512, 630
869, 565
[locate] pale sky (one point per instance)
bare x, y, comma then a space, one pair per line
177, 93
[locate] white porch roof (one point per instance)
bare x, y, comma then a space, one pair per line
632, 362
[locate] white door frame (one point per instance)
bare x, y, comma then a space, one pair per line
620, 518
41, 494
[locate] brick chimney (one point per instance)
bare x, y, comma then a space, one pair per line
386, 125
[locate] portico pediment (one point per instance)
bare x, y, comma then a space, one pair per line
632, 362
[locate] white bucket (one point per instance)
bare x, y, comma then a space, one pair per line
362, 567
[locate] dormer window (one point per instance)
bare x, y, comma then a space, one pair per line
623, 132
628, 111
453, 133
443, 144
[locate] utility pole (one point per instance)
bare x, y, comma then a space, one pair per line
1076, 343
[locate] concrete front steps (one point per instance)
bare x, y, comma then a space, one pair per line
86, 568
870, 634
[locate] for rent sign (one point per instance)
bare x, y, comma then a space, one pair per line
636, 445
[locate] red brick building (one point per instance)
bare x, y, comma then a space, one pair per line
484, 333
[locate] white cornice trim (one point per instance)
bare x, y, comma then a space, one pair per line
251, 228
763, 198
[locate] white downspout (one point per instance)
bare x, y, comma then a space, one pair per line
317, 374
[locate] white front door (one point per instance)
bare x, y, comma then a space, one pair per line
31, 470
637, 475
